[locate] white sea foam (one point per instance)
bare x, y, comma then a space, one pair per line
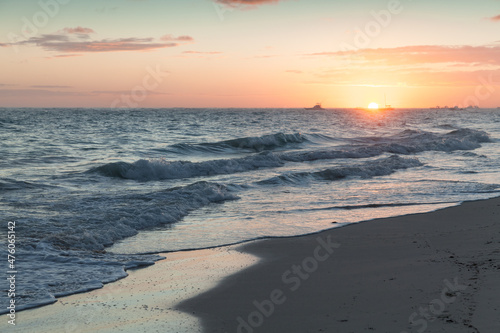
405, 143
144, 170
255, 144
68, 215
380, 167
67, 255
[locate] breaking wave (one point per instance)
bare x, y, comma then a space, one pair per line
107, 219
249, 144
381, 167
405, 143
145, 170
75, 240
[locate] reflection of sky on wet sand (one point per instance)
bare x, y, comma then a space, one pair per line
148, 295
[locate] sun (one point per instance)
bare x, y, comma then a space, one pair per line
373, 106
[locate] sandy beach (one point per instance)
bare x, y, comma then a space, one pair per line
144, 301
432, 272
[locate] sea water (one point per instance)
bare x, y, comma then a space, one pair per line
94, 192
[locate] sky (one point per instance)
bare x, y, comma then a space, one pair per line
249, 53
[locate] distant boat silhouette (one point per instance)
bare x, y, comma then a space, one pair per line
387, 106
316, 107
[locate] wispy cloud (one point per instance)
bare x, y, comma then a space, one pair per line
424, 54
107, 45
78, 30
39, 92
264, 56
402, 77
245, 3
50, 86
202, 53
54, 90
424, 65
294, 71
71, 41
171, 38
494, 18
64, 56
126, 92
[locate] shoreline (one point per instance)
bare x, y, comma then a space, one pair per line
338, 225
144, 301
432, 272
258, 256
232, 245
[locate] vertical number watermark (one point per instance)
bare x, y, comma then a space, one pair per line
11, 271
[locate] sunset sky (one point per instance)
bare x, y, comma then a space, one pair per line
249, 53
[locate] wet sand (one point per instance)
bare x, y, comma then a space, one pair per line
439, 270
431, 272
142, 302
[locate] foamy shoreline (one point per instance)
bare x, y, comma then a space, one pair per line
414, 263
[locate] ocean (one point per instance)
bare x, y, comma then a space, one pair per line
94, 192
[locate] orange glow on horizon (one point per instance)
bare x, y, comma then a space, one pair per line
88, 62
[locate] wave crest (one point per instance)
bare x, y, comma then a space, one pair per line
145, 170
380, 167
405, 143
108, 220
252, 144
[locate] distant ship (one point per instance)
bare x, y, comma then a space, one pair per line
387, 106
316, 107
